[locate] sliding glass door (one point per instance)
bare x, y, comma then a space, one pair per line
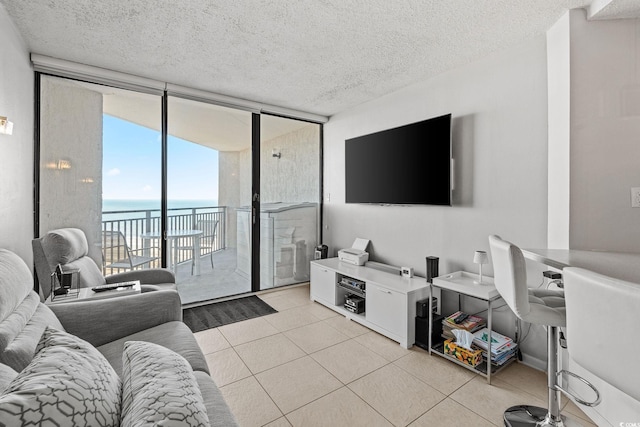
228, 199
289, 199
208, 198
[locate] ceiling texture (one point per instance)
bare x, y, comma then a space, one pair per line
315, 56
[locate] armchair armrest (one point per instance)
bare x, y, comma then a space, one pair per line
106, 320
148, 276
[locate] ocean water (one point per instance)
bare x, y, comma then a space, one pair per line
119, 205
119, 209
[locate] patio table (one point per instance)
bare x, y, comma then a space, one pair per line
171, 238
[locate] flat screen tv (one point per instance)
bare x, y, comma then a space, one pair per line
407, 165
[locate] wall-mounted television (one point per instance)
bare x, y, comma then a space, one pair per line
407, 165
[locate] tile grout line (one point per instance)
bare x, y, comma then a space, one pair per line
367, 403
270, 398
399, 367
346, 385
450, 396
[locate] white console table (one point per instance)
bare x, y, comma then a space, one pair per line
464, 283
390, 300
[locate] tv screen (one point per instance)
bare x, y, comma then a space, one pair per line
407, 165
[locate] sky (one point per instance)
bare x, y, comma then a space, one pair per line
132, 162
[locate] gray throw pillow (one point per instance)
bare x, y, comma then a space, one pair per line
159, 388
7, 374
68, 382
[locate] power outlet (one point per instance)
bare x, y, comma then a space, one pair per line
635, 197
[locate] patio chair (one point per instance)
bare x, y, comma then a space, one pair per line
209, 229
116, 253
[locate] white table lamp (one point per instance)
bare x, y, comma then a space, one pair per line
480, 257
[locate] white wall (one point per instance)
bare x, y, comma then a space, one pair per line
499, 108
559, 165
16, 151
603, 134
605, 130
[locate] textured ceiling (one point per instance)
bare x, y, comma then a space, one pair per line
317, 56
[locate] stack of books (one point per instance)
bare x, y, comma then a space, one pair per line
470, 324
503, 348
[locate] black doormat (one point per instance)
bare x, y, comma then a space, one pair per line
225, 312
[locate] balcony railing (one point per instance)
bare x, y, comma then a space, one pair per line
133, 224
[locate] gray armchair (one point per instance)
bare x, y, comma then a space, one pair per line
69, 248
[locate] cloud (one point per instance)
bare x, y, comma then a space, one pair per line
113, 172
147, 188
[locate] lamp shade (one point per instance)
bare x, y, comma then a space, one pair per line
480, 257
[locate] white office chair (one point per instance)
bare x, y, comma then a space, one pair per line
602, 314
542, 307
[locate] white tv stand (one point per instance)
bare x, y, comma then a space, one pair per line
390, 300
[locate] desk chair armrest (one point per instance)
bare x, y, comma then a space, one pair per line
148, 276
106, 320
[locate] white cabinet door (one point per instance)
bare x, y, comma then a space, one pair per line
386, 309
323, 284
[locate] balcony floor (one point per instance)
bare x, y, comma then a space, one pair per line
217, 282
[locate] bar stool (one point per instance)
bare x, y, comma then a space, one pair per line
597, 307
545, 308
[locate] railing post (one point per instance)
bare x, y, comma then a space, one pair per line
224, 227
147, 228
193, 218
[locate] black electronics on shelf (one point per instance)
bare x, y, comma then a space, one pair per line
355, 286
422, 307
354, 304
422, 331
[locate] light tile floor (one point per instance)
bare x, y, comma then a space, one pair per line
308, 366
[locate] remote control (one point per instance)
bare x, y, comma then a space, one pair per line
461, 318
112, 286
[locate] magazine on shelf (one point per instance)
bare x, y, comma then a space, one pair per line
506, 353
498, 341
471, 323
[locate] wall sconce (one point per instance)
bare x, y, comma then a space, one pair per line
63, 164
6, 127
276, 153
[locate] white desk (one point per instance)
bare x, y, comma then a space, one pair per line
623, 266
172, 236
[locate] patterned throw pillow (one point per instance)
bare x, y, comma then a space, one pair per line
159, 388
68, 382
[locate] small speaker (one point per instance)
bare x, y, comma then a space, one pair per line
422, 331
432, 268
422, 307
